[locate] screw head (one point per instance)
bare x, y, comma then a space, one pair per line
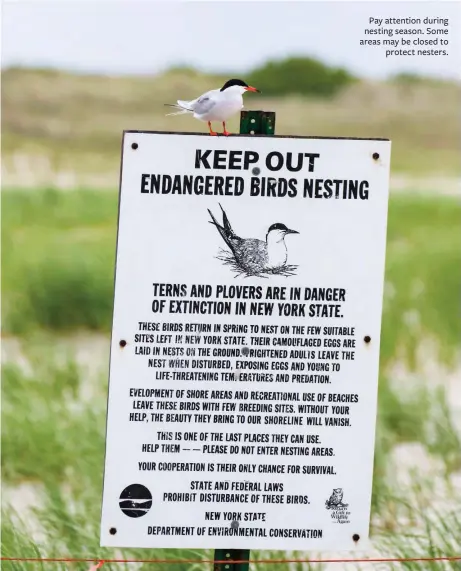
256, 171
134, 146
375, 156
113, 530
367, 338
356, 537
122, 343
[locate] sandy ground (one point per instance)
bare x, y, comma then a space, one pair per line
92, 354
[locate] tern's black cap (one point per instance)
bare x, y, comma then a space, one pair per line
282, 228
277, 226
232, 82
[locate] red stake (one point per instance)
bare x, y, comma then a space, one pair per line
211, 130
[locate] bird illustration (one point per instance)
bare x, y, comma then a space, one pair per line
336, 499
254, 257
217, 104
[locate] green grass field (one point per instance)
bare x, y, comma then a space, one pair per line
58, 262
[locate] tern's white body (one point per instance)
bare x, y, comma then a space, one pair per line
215, 105
277, 253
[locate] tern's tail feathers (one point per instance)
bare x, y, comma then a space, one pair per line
183, 107
225, 231
215, 222
226, 222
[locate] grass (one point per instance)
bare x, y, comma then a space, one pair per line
423, 274
74, 534
59, 253
418, 415
440, 538
58, 260
50, 442
72, 123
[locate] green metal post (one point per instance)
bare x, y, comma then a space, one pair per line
251, 123
229, 556
257, 122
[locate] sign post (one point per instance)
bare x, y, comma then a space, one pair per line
245, 342
251, 123
257, 122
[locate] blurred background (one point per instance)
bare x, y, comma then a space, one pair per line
74, 76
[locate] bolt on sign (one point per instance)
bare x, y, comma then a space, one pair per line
245, 342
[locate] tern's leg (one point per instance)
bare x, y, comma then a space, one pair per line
211, 130
224, 126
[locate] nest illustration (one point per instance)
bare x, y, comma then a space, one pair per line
228, 259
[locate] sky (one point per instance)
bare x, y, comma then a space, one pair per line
146, 37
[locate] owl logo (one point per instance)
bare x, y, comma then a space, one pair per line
335, 501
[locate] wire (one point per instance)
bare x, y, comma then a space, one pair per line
266, 561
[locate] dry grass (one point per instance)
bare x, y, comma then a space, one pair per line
71, 123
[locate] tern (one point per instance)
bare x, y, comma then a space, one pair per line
254, 256
217, 104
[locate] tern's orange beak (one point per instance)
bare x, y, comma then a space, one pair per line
249, 88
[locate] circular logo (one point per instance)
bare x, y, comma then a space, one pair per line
135, 500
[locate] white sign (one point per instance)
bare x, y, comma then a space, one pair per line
245, 342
